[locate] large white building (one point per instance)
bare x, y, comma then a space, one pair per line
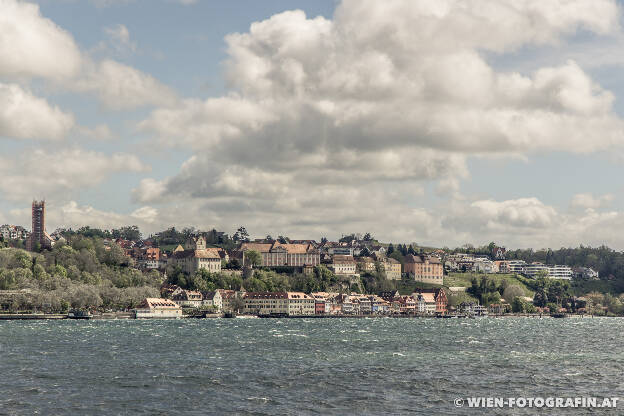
534, 269
514, 266
158, 308
557, 271
277, 254
279, 303
560, 272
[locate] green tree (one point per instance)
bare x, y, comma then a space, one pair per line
540, 298
241, 235
553, 307
252, 258
517, 305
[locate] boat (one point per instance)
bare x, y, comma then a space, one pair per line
229, 315
79, 314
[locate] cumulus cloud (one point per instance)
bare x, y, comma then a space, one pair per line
529, 223
41, 173
74, 215
24, 116
330, 125
360, 110
34, 46
522, 213
71, 214
414, 78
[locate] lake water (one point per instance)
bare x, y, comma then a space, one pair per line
304, 366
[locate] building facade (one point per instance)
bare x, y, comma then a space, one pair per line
196, 256
13, 232
393, 269
343, 265
277, 254
158, 308
188, 298
279, 303
426, 269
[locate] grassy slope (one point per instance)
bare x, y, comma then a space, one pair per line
464, 279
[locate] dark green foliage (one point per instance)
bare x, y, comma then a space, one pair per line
486, 290
241, 235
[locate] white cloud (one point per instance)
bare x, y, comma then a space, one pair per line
529, 223
34, 46
145, 214
524, 213
73, 215
24, 116
39, 173
360, 110
122, 87
587, 200
120, 38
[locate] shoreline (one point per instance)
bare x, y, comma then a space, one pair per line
126, 316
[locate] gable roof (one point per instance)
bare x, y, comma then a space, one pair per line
207, 253
340, 258
260, 247
158, 303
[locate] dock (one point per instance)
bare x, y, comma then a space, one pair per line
31, 316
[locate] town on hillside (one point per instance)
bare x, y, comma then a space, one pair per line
210, 273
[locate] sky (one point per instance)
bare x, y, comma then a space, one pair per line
431, 121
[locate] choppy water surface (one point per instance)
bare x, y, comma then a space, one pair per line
303, 366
